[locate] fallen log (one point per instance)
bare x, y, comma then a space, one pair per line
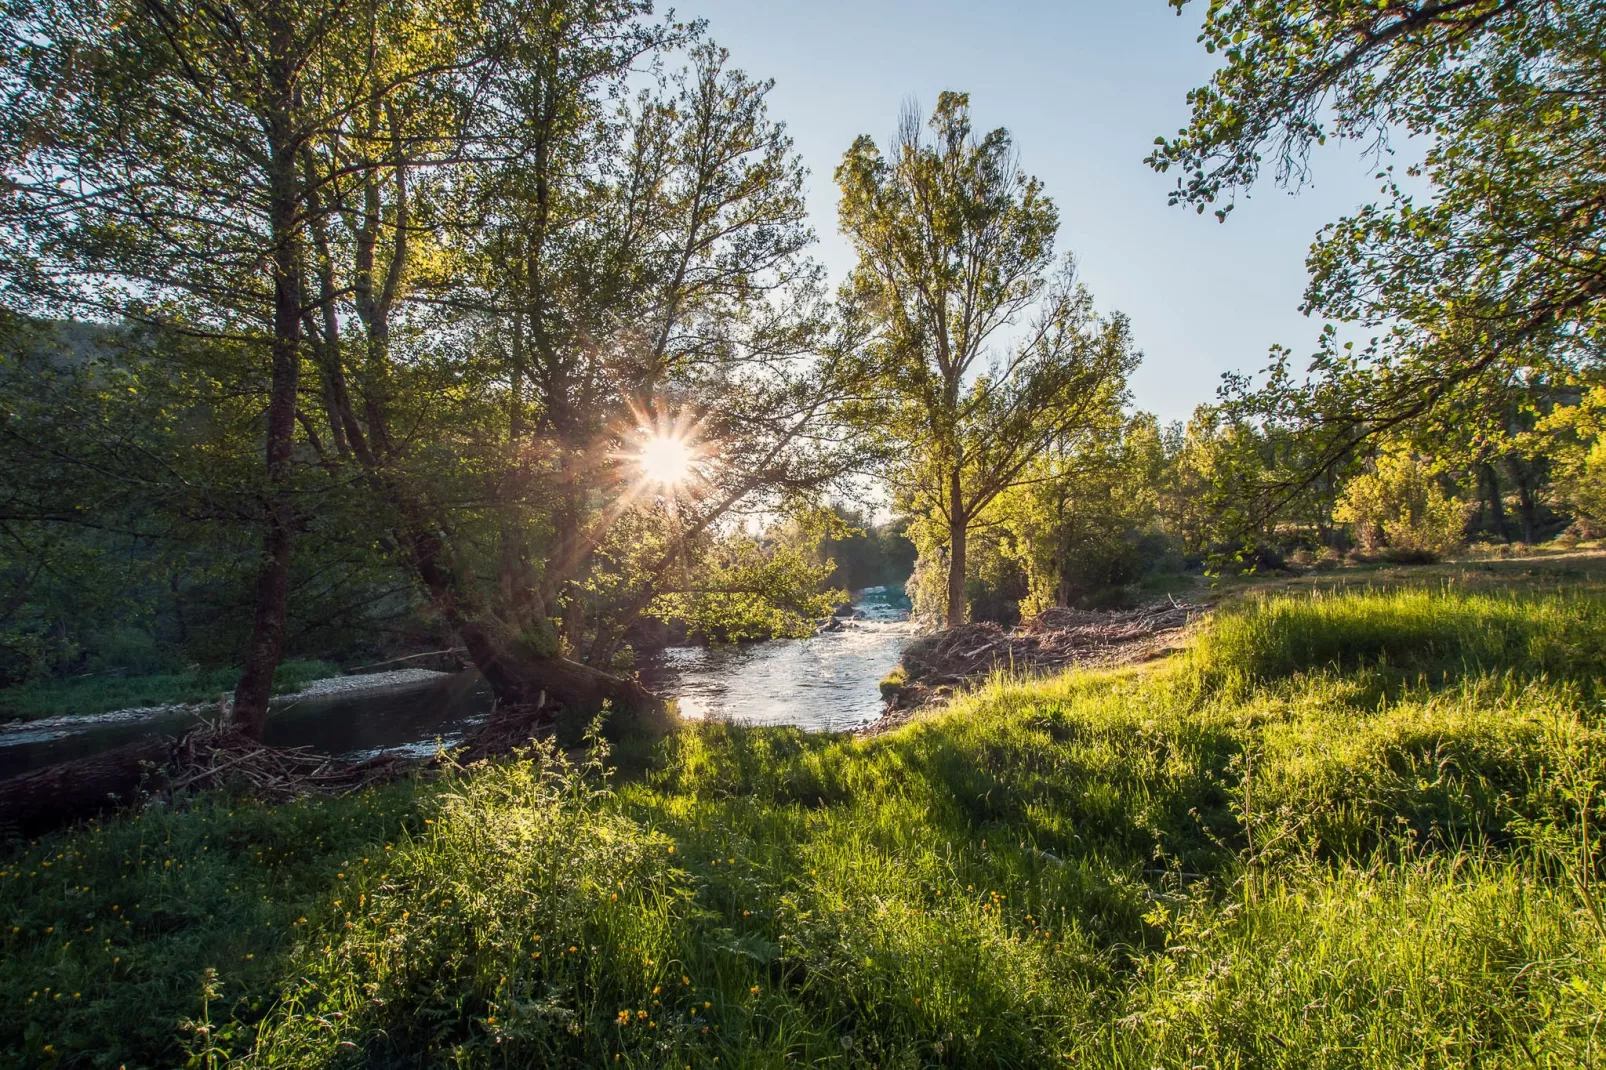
454, 656
85, 787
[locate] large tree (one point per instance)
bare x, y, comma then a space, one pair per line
1481, 268
153, 156
600, 281
982, 350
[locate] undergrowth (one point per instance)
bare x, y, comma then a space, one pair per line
1283, 848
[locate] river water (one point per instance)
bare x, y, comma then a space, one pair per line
824, 683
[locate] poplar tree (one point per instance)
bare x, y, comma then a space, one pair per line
982, 348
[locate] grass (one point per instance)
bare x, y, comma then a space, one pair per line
1354, 830
101, 694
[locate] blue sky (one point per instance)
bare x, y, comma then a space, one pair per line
1085, 87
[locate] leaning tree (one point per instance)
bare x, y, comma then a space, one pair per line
1480, 268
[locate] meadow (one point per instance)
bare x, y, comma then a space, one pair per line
1349, 827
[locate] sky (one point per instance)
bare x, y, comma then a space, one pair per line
1084, 86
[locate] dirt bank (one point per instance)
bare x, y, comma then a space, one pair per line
937, 666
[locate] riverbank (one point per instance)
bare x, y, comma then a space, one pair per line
1345, 824
87, 696
321, 688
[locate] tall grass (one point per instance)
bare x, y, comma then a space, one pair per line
1433, 634
1126, 869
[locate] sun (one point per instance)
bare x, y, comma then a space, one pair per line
666, 460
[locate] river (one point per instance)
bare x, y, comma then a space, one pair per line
827, 682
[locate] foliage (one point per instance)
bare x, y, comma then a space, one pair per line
746, 590
130, 472
1400, 504
1577, 444
103, 692
1087, 524
1477, 266
867, 553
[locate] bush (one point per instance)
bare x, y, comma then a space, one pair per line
1400, 505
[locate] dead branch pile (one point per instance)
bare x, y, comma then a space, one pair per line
215, 757
936, 664
509, 729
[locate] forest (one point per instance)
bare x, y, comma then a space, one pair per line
491, 347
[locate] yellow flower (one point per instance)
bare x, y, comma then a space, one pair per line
754, 990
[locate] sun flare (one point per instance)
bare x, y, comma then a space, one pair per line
666, 460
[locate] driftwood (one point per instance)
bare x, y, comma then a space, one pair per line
71, 791
936, 665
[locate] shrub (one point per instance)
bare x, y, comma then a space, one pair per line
1400, 505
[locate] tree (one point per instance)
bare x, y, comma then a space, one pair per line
603, 278
1491, 277
153, 160
983, 352
1086, 521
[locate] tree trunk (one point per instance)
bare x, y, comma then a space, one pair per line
958, 529
519, 674
1527, 508
273, 577
1497, 508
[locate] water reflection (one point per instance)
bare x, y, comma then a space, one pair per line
827, 682
824, 683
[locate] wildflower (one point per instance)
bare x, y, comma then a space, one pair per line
754, 990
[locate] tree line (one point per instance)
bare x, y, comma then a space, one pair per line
321, 318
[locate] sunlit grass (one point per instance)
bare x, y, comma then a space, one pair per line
1260, 854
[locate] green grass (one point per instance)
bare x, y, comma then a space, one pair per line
100, 694
1280, 849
